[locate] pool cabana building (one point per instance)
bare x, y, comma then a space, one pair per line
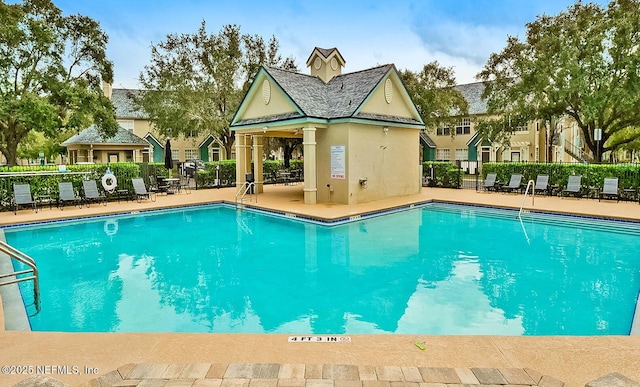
360, 130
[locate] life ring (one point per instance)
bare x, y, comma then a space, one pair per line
109, 182
111, 227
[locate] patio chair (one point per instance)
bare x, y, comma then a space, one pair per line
490, 182
186, 186
67, 195
542, 185
574, 186
22, 197
141, 191
610, 189
91, 194
161, 185
515, 184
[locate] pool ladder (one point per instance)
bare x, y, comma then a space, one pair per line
246, 192
12, 277
531, 184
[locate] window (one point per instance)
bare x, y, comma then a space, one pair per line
190, 154
127, 124
444, 131
522, 128
464, 126
461, 154
443, 154
175, 154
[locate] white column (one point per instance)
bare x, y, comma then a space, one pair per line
257, 163
310, 172
240, 160
247, 153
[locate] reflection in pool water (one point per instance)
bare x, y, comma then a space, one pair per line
431, 270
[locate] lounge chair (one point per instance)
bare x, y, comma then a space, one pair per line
542, 185
574, 186
490, 182
515, 184
67, 195
22, 197
141, 190
610, 189
91, 194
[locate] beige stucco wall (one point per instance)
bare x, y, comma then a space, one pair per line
181, 143
389, 162
377, 104
452, 143
256, 107
325, 138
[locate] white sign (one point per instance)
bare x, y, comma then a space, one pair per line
597, 134
319, 339
338, 164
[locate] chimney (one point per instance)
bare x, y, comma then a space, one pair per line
107, 89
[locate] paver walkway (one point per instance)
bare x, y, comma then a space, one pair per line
305, 375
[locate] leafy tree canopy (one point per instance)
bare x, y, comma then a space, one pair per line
51, 72
435, 96
581, 63
195, 82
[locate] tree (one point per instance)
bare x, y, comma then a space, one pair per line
51, 72
35, 143
581, 64
195, 82
434, 94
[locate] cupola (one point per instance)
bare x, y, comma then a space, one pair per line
325, 63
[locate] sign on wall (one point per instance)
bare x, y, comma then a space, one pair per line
338, 163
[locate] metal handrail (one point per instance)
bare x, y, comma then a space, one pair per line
33, 269
531, 184
247, 187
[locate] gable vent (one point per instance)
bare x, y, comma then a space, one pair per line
388, 90
266, 92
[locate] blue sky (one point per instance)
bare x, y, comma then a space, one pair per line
456, 33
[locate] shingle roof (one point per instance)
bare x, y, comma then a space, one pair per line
326, 52
91, 135
472, 92
427, 140
340, 98
125, 107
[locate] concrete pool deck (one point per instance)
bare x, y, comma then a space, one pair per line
572, 360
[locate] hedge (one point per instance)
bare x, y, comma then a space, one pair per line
445, 174
593, 175
48, 184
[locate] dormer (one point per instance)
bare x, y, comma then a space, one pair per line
325, 63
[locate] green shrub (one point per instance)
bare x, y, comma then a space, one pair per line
445, 174
593, 175
47, 184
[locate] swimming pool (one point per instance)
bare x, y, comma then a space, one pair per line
435, 269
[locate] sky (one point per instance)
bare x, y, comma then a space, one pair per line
457, 33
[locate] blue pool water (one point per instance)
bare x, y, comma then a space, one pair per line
437, 269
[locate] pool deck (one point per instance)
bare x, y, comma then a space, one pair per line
234, 360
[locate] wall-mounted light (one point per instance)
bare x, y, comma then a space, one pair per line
385, 130
264, 130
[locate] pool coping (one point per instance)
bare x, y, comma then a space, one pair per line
20, 321
330, 221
